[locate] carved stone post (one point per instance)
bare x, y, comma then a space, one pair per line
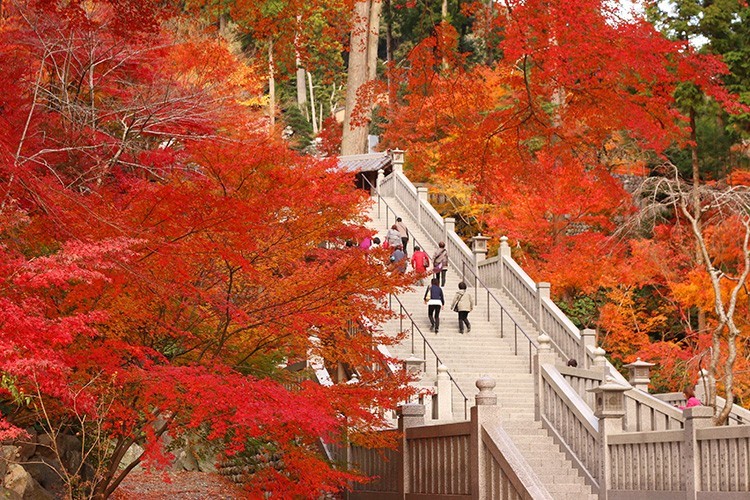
444, 394
702, 386
503, 251
409, 415
397, 160
544, 356
600, 360
415, 367
697, 417
640, 374
610, 409
424, 197
449, 226
381, 176
588, 340
542, 291
486, 410
479, 249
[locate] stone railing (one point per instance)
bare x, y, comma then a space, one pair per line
672, 453
698, 461
565, 414
473, 460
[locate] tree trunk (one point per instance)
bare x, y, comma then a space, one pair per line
363, 53
312, 104
301, 88
271, 88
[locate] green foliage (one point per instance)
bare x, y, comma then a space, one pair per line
583, 310
302, 128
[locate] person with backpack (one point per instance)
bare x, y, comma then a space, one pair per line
420, 262
440, 262
463, 304
435, 300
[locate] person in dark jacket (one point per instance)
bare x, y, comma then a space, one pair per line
435, 300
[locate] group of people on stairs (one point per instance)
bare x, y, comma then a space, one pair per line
397, 238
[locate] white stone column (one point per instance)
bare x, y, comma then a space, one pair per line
542, 291
486, 410
588, 340
544, 356
444, 394
703, 386
503, 251
409, 415
600, 361
449, 226
424, 198
610, 409
697, 417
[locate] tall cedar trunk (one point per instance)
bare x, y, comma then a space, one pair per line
301, 88
362, 65
312, 104
389, 46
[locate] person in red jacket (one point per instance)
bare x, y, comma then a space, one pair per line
420, 262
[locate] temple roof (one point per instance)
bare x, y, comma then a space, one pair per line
365, 163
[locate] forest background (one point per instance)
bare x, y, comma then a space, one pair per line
170, 234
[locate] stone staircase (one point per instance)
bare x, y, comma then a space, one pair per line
482, 352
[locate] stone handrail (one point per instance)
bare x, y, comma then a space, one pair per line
724, 454
644, 412
503, 468
564, 334
696, 462
519, 287
738, 416
648, 461
581, 381
439, 459
474, 460
571, 422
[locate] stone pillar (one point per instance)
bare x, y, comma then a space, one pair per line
397, 160
609, 409
703, 386
414, 366
600, 360
588, 340
503, 251
424, 197
479, 249
409, 415
543, 356
640, 375
449, 225
486, 410
542, 291
444, 394
381, 176
697, 417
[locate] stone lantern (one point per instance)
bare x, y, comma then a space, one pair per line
397, 160
640, 374
609, 402
414, 366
